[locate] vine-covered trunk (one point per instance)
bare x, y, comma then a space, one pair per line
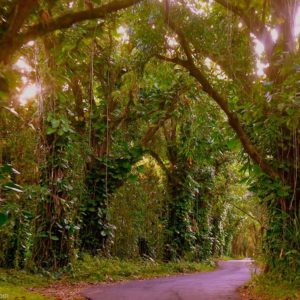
282, 241
282, 237
179, 237
95, 228
203, 244
104, 176
52, 244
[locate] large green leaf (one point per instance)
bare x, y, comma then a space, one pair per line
3, 218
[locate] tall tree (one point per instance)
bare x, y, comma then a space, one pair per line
273, 99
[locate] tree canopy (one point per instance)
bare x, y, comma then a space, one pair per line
168, 128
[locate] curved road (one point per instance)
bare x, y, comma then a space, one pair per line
219, 284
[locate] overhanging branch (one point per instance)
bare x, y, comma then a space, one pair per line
69, 19
253, 23
9, 47
20, 13
233, 119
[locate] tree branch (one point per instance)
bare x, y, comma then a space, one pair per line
147, 138
233, 119
20, 13
158, 160
62, 22
246, 213
254, 24
69, 19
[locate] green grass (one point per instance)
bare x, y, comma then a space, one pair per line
268, 286
15, 283
9, 291
226, 258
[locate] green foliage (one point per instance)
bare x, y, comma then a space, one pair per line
7, 184
137, 209
114, 89
272, 286
103, 178
93, 269
97, 269
19, 292
60, 126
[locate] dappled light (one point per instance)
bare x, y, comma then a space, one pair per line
297, 22
29, 92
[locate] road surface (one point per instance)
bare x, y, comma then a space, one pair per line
219, 284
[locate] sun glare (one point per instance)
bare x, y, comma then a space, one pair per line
29, 92
274, 34
259, 47
22, 65
30, 43
123, 32
297, 23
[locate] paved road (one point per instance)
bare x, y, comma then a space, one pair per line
219, 284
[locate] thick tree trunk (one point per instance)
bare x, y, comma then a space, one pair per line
52, 245
104, 176
178, 218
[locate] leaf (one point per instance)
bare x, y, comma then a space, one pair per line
50, 130
141, 169
3, 219
60, 132
133, 178
15, 171
6, 169
55, 123
12, 111
54, 238
13, 187
126, 165
232, 144
42, 234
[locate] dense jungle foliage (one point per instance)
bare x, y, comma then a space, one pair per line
165, 130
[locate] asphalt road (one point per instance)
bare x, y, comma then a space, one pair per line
219, 284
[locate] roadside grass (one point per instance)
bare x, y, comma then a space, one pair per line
19, 283
14, 284
9, 291
98, 269
226, 258
269, 287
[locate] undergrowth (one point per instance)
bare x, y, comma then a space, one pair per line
269, 286
99, 269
